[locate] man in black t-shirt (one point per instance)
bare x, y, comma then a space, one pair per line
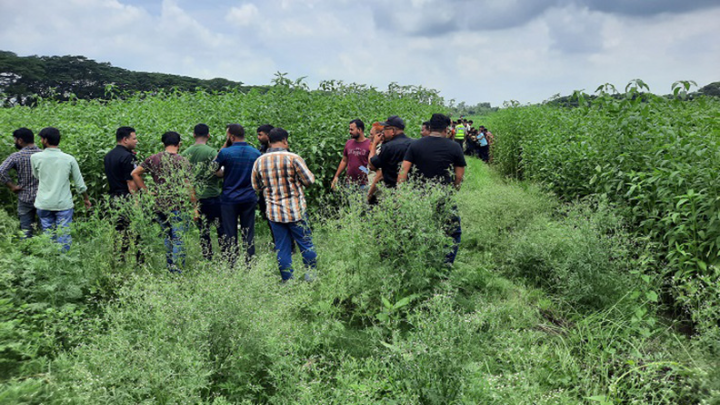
435, 157
119, 163
392, 153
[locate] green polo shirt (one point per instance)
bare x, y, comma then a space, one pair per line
54, 169
207, 185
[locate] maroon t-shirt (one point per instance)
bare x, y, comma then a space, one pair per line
171, 174
357, 156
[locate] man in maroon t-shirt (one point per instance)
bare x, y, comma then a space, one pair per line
355, 156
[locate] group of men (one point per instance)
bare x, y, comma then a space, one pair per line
474, 141
222, 186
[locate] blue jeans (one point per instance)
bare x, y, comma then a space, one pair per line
302, 235
27, 214
173, 226
230, 213
210, 209
58, 224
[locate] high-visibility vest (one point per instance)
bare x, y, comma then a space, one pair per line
460, 132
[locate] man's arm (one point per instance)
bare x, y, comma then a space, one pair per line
340, 169
373, 186
375, 163
306, 176
79, 182
255, 177
404, 170
5, 167
137, 174
459, 174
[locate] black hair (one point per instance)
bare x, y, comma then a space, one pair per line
236, 130
123, 133
52, 135
25, 134
439, 122
277, 135
426, 124
171, 138
265, 128
201, 130
358, 123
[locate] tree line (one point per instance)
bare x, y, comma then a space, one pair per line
25, 79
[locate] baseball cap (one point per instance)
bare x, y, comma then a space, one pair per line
394, 121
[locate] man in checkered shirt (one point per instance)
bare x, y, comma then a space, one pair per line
27, 185
281, 176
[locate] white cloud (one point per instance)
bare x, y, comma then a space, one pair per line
243, 16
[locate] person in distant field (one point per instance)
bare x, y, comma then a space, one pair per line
281, 176
377, 137
460, 134
119, 165
440, 160
238, 199
393, 150
27, 185
54, 169
483, 144
173, 189
355, 157
451, 131
207, 187
425, 129
262, 134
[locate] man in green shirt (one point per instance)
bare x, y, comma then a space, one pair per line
207, 186
54, 169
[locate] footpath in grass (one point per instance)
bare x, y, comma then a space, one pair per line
547, 303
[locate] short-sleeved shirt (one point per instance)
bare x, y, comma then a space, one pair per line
391, 157
119, 164
281, 175
433, 158
54, 169
20, 161
237, 161
357, 154
171, 174
207, 184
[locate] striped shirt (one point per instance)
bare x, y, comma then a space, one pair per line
20, 161
281, 176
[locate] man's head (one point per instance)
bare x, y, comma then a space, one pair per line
278, 138
439, 122
376, 131
470, 122
126, 137
171, 139
393, 127
262, 133
425, 129
357, 128
236, 132
50, 136
201, 131
23, 137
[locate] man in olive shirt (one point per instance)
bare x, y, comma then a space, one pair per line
54, 202
207, 186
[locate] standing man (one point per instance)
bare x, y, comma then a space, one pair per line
281, 176
238, 199
395, 145
434, 158
54, 169
425, 129
119, 165
460, 134
207, 187
262, 133
355, 157
173, 189
484, 144
27, 185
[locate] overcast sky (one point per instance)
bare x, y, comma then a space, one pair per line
472, 51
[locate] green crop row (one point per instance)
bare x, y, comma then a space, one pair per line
655, 158
316, 120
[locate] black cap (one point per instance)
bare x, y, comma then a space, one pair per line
394, 121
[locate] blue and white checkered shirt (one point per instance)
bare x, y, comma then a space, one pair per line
20, 161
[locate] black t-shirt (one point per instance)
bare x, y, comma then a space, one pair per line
391, 157
434, 158
119, 163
